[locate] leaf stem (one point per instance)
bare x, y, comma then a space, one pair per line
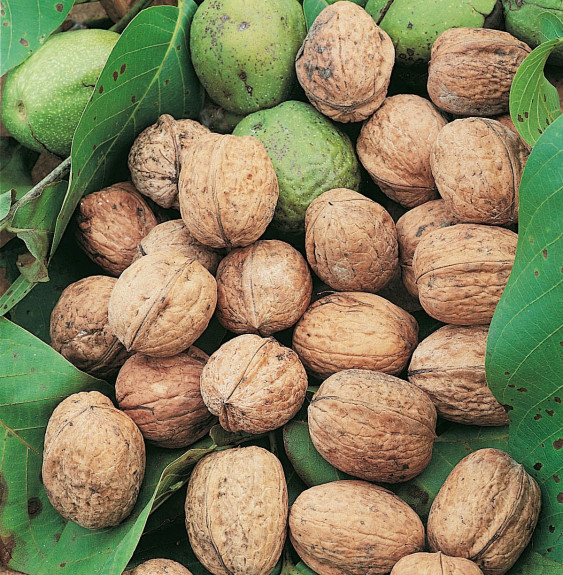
122, 24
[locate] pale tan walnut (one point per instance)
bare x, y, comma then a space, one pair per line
352, 527
449, 365
173, 235
462, 270
471, 70
394, 146
162, 396
159, 567
412, 227
478, 164
228, 190
253, 384
507, 122
162, 303
372, 425
80, 331
349, 330
351, 241
236, 511
93, 461
485, 511
434, 564
111, 223
155, 157
345, 62
262, 288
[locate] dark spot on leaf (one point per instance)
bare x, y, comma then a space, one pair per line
101, 89
166, 82
133, 99
549, 412
178, 47
506, 373
520, 119
526, 115
511, 385
417, 493
243, 26
537, 417
557, 399
115, 76
540, 131
94, 147
536, 273
7, 544
57, 537
63, 565
34, 507
59, 7
94, 118
508, 408
3, 491
531, 240
538, 466
556, 478
242, 75
24, 42
122, 69
521, 389
560, 498
544, 254
558, 444
409, 26
5, 23
549, 549
551, 528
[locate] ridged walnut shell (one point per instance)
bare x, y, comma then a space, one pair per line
162, 303
351, 241
228, 190
345, 62
162, 396
262, 288
155, 156
159, 567
485, 511
373, 426
93, 461
253, 384
394, 146
461, 272
471, 70
350, 330
434, 564
80, 331
236, 511
478, 165
110, 224
353, 528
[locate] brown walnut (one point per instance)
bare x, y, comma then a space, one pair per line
434, 564
159, 567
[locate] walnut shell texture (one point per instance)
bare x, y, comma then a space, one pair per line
162, 303
485, 511
434, 564
349, 330
345, 62
352, 527
262, 288
253, 384
462, 270
93, 461
159, 567
236, 511
350, 241
449, 365
394, 146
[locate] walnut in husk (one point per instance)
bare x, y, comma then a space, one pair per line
434, 564
159, 567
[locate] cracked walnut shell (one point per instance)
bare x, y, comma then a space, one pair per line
434, 564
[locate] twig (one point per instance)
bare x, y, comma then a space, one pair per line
122, 24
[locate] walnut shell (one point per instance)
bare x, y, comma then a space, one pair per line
478, 165
236, 511
471, 70
372, 425
253, 384
93, 461
351, 241
449, 365
154, 158
507, 122
228, 190
80, 330
159, 567
345, 62
485, 511
262, 288
352, 527
394, 146
461, 272
162, 303
349, 330
162, 396
434, 564
110, 224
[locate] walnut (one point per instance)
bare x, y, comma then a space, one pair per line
394, 146
162, 396
354, 330
93, 461
154, 159
471, 70
462, 270
110, 224
162, 303
485, 511
236, 511
262, 288
352, 527
253, 384
159, 567
351, 241
228, 190
434, 564
80, 330
116, 9
345, 62
507, 122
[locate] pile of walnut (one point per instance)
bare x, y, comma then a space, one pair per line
454, 249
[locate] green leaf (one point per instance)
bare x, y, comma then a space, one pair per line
25, 25
525, 343
312, 8
532, 563
148, 73
549, 26
16, 163
17, 291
